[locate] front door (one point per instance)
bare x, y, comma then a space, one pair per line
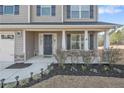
47, 45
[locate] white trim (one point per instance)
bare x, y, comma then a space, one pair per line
62, 13
86, 40
63, 40
29, 15
56, 26
40, 37
95, 40
54, 41
24, 44
41, 42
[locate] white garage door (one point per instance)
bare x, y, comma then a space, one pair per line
7, 47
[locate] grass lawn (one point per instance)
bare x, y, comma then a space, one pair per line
81, 82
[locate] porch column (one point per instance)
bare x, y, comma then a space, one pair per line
106, 40
63, 40
86, 40
95, 40
24, 44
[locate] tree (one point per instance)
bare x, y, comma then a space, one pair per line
116, 37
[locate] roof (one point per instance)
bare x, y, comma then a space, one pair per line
62, 23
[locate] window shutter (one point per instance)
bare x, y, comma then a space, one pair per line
53, 10
68, 11
1, 9
91, 11
16, 10
68, 41
38, 10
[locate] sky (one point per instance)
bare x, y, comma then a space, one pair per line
111, 13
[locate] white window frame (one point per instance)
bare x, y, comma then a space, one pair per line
80, 41
41, 10
6, 6
80, 9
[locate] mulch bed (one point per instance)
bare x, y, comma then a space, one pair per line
104, 70
19, 65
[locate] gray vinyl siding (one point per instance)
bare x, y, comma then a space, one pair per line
21, 18
23, 15
56, 18
19, 55
30, 45
36, 43
59, 41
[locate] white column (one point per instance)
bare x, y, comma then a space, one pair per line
63, 40
29, 14
95, 40
24, 44
106, 40
86, 40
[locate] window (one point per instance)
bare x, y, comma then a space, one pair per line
77, 41
78, 11
8, 9
45, 10
85, 11
7, 36
75, 11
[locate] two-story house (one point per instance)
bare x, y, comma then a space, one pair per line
39, 30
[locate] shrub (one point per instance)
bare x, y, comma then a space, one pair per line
112, 55
60, 56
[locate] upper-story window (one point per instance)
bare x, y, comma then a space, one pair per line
80, 11
9, 9
46, 10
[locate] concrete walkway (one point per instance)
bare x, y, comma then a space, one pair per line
37, 64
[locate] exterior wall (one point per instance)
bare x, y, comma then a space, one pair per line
21, 18
36, 43
59, 40
79, 20
30, 45
32, 42
19, 55
57, 18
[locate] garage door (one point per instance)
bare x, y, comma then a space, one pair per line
7, 47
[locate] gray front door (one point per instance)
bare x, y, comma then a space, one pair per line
47, 45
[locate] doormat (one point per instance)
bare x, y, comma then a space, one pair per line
19, 65
47, 56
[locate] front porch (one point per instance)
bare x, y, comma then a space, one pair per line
43, 44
